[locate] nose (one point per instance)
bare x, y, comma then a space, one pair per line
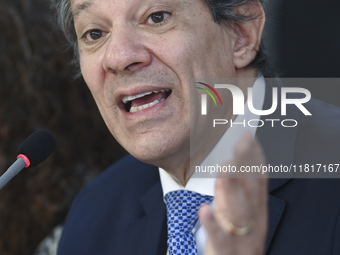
125, 52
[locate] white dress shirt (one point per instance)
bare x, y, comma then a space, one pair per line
220, 154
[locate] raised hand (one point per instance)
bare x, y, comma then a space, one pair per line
237, 224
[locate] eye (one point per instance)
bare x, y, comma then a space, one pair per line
93, 35
157, 18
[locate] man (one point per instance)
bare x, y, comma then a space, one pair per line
138, 57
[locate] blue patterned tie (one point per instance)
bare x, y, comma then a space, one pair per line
182, 212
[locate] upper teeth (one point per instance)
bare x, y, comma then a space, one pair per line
130, 98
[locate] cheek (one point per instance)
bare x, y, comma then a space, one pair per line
92, 70
195, 55
94, 76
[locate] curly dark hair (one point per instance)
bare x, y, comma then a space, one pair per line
38, 91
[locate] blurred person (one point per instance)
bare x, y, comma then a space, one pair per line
38, 91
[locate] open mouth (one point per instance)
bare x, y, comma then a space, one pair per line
145, 100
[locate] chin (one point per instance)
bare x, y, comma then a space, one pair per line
149, 153
156, 151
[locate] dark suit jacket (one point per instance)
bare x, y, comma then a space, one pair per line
122, 212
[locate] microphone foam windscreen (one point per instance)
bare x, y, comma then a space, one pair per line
38, 147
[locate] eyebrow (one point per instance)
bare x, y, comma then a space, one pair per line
81, 7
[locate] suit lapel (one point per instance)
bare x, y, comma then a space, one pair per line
276, 208
151, 229
279, 147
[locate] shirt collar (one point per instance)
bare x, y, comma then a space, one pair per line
223, 150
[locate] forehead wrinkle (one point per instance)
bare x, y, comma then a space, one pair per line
81, 7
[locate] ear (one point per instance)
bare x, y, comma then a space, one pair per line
248, 34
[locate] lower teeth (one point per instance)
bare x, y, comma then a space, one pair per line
142, 107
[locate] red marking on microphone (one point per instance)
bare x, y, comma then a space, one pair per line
27, 161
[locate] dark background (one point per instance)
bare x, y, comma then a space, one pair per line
303, 39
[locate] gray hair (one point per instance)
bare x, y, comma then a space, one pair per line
222, 11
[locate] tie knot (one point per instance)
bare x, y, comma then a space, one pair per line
182, 210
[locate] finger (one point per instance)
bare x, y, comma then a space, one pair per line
240, 199
248, 153
217, 237
232, 201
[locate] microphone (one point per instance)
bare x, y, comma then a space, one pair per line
34, 150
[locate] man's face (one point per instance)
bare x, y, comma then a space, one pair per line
138, 56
